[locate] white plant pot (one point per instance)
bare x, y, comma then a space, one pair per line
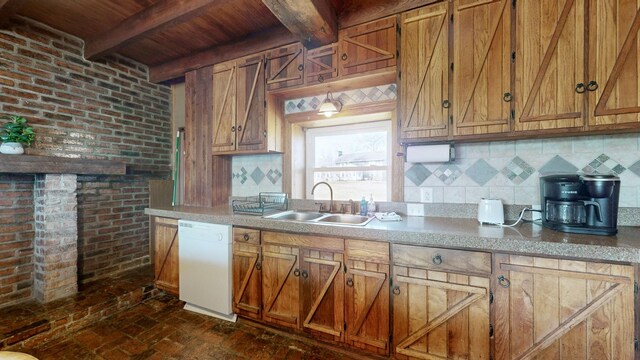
13, 148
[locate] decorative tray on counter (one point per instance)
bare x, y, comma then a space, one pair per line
264, 203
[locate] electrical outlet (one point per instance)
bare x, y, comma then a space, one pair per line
426, 195
534, 214
415, 210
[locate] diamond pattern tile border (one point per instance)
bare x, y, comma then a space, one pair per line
481, 172
417, 174
447, 173
603, 164
517, 170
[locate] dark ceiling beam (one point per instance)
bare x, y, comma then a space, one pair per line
359, 12
155, 18
264, 40
314, 22
8, 8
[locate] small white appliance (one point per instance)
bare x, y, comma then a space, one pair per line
490, 211
205, 254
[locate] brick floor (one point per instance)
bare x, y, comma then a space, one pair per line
158, 328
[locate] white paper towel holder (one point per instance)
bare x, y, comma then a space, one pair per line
431, 153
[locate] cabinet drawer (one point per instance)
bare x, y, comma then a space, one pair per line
442, 259
309, 241
249, 236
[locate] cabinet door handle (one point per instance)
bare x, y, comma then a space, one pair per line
245, 237
592, 85
320, 78
446, 104
239, 127
300, 67
233, 129
507, 97
437, 259
258, 266
305, 274
580, 88
396, 290
503, 281
350, 282
296, 272
344, 57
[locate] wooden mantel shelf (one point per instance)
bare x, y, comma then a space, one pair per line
31, 164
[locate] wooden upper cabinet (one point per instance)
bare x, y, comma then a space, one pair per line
224, 106
165, 236
562, 309
250, 111
285, 67
482, 61
549, 78
368, 47
424, 68
321, 64
614, 64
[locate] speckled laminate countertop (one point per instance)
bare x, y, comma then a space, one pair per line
525, 238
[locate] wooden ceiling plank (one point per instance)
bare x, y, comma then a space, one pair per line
8, 8
358, 12
269, 39
313, 21
155, 18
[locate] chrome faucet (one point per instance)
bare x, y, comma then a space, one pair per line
330, 193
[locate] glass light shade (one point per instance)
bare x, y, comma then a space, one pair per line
330, 106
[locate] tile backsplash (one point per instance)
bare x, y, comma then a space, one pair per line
252, 174
509, 170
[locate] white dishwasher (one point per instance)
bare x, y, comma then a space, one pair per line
205, 254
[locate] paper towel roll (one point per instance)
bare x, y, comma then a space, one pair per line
429, 153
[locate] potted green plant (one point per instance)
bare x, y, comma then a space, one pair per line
15, 134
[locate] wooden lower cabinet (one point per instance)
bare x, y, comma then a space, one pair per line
438, 314
247, 279
165, 239
562, 309
281, 285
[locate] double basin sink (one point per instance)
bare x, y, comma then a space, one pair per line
321, 218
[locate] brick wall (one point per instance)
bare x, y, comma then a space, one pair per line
81, 109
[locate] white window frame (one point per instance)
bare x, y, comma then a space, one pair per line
312, 133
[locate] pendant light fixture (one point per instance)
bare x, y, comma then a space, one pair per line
330, 106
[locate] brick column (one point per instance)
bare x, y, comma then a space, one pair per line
56, 239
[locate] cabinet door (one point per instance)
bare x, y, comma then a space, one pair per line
549, 64
425, 63
247, 284
281, 285
224, 107
368, 47
367, 305
439, 315
482, 62
614, 64
562, 309
285, 67
323, 293
321, 64
165, 232
251, 121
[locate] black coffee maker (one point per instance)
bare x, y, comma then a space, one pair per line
584, 204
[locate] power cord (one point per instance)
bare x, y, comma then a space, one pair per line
520, 218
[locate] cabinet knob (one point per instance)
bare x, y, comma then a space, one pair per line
258, 266
580, 88
296, 272
239, 127
437, 259
350, 282
507, 97
503, 281
233, 129
446, 104
320, 78
344, 57
245, 237
592, 85
300, 67
305, 274
396, 290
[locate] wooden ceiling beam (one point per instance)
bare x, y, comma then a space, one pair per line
359, 12
157, 17
313, 21
8, 8
264, 40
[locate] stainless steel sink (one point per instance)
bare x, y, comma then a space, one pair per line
323, 218
296, 215
345, 219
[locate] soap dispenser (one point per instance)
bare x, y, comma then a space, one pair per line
363, 207
371, 206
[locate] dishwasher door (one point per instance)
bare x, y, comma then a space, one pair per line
205, 253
